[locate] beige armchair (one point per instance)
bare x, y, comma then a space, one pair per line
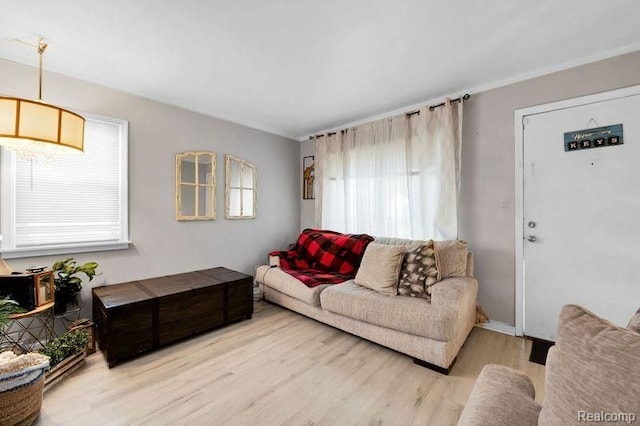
592, 375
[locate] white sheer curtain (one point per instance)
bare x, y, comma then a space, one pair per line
397, 177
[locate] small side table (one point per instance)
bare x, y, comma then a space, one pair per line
29, 331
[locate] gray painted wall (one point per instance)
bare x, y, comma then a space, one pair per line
488, 167
161, 245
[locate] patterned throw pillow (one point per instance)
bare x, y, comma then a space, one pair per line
418, 273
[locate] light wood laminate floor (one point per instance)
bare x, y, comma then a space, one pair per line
279, 368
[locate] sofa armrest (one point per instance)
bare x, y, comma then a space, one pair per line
453, 291
501, 396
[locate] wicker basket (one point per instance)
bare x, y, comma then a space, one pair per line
21, 395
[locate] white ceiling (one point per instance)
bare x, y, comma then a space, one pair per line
294, 67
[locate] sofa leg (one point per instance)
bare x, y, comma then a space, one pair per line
434, 367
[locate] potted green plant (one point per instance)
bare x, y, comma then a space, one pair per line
67, 282
66, 354
8, 307
62, 347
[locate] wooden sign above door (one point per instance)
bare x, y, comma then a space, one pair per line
593, 138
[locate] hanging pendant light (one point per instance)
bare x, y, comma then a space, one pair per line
35, 129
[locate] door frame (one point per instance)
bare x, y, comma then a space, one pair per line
520, 119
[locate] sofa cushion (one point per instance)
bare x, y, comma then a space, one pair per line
451, 258
411, 315
380, 268
418, 272
408, 244
501, 396
279, 280
594, 368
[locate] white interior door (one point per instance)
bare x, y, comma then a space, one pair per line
583, 210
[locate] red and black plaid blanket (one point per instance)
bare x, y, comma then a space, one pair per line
324, 257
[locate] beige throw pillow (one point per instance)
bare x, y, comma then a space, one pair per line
380, 268
451, 258
418, 272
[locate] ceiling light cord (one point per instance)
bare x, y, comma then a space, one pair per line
42, 46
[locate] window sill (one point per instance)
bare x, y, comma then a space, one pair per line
63, 249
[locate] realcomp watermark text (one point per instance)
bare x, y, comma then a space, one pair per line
606, 417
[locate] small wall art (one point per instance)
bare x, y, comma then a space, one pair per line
308, 176
240, 188
196, 185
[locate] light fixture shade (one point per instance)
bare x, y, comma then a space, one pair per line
34, 126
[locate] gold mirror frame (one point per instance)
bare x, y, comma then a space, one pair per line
237, 191
196, 188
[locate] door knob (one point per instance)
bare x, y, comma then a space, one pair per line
531, 238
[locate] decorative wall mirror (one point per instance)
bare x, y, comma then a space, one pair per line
240, 189
196, 186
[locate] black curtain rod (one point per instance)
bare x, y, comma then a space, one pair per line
323, 135
409, 114
432, 107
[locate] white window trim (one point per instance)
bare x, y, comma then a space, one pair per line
7, 210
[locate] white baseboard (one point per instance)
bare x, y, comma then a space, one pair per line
499, 327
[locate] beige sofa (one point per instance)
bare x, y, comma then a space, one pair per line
592, 377
432, 333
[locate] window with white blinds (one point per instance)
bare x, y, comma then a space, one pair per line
77, 201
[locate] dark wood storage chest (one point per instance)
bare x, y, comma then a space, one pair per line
139, 316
